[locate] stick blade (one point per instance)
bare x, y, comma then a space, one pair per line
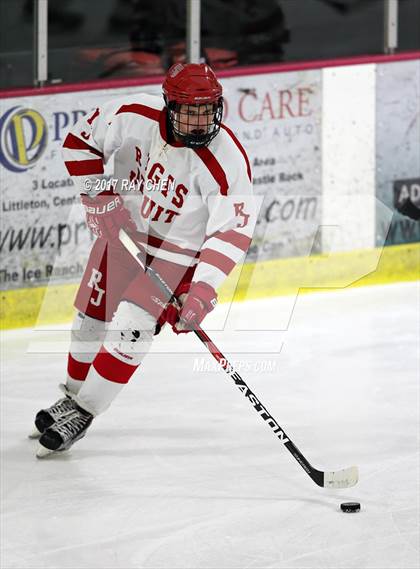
345, 478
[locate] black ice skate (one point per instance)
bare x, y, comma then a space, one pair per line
46, 417
69, 428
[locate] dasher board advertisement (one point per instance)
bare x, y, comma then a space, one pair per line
43, 235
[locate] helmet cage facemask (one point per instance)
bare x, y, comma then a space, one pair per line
180, 123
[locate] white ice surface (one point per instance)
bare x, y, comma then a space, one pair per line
181, 472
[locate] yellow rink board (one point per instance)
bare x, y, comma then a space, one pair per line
398, 263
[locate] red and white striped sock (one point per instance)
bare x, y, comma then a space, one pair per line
87, 335
76, 373
107, 376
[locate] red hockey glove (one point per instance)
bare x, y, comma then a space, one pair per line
196, 304
106, 215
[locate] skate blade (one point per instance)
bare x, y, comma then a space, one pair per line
42, 452
35, 434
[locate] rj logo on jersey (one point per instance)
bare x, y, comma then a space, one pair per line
93, 283
23, 138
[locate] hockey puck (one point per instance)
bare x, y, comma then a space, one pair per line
350, 507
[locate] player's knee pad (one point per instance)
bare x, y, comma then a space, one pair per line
87, 334
130, 334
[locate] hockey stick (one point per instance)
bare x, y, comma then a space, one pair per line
344, 478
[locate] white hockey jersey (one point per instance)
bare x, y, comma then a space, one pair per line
191, 206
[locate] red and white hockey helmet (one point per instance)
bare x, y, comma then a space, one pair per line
194, 99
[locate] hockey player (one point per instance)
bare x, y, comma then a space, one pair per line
182, 189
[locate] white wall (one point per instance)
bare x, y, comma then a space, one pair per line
348, 158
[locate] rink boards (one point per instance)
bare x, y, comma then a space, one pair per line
329, 159
54, 304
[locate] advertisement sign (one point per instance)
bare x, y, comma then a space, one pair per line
407, 190
277, 117
398, 147
43, 235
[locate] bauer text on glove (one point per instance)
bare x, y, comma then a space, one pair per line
106, 215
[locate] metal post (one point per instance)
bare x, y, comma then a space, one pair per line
391, 26
193, 30
40, 42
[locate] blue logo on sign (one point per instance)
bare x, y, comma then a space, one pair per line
23, 138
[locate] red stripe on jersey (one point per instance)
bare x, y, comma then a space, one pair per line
166, 245
138, 109
84, 167
77, 370
222, 262
214, 168
238, 239
75, 143
113, 369
241, 148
